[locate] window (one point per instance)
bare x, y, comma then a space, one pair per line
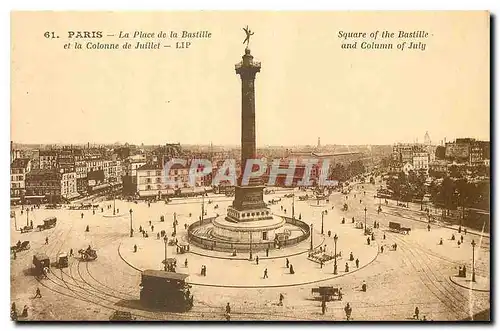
264, 235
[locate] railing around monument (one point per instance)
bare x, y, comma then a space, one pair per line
219, 245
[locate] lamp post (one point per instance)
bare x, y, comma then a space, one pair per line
251, 239
165, 240
311, 236
365, 219
293, 206
131, 228
27, 217
15, 220
322, 216
335, 238
473, 243
114, 205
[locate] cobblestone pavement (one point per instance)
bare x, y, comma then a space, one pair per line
419, 273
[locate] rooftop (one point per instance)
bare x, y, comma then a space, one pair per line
20, 163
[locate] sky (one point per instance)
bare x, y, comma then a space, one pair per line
308, 86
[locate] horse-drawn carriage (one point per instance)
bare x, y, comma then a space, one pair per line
26, 228
41, 264
182, 248
304, 197
20, 246
396, 227
327, 293
88, 254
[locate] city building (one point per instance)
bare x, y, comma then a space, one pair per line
50, 185
47, 159
19, 168
152, 181
420, 161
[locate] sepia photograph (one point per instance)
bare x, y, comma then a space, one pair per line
250, 166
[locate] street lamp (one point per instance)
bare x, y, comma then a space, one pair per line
322, 215
131, 228
114, 205
251, 240
365, 219
335, 238
473, 243
311, 236
165, 240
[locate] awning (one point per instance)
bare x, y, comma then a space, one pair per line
98, 187
15, 198
148, 193
74, 195
34, 197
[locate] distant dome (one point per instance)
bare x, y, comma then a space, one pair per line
427, 138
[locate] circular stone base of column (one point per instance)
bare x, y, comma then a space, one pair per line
262, 231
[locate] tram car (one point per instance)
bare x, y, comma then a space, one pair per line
165, 290
47, 223
396, 227
41, 263
62, 260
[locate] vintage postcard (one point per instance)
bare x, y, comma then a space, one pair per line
250, 166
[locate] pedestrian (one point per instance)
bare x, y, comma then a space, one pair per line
417, 311
267, 251
465, 230
292, 271
38, 294
368, 240
384, 235
25, 311
381, 249
257, 260
135, 248
458, 243
287, 263
348, 311
321, 264
13, 312
71, 252
46, 240
363, 286
265, 274
323, 306
441, 241
152, 228
357, 263
281, 299
82, 215
87, 229
346, 267
373, 236
428, 227
186, 263
462, 239
351, 257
